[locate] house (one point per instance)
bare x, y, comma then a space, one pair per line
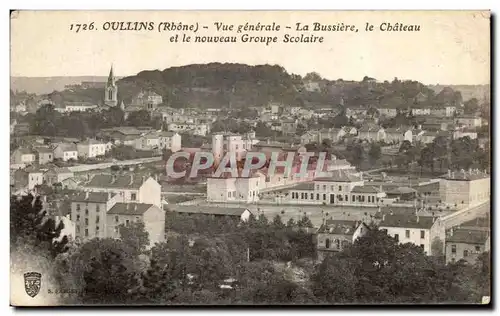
388, 112
23, 156
34, 175
91, 148
148, 142
470, 121
13, 123
465, 188
371, 133
334, 235
457, 134
289, 127
57, 175
66, 151
237, 213
233, 143
151, 215
69, 229
310, 137
398, 135
21, 129
132, 188
333, 134
170, 140
269, 146
466, 244
147, 100
45, 155
88, 212
189, 128
341, 188
419, 230
233, 189
76, 107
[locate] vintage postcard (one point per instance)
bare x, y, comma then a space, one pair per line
250, 158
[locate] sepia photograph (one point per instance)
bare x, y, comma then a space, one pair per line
250, 158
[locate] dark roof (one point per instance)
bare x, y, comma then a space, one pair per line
477, 222
340, 176
270, 144
339, 227
94, 197
197, 209
467, 236
402, 190
130, 208
304, 186
365, 189
407, 221
44, 150
110, 181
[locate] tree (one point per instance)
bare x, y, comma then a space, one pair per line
471, 106
135, 236
139, 118
374, 153
31, 227
277, 222
305, 222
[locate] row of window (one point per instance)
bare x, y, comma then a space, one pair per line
332, 188
407, 234
466, 252
339, 197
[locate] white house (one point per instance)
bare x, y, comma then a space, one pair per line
239, 213
65, 151
419, 230
91, 148
334, 235
465, 188
233, 189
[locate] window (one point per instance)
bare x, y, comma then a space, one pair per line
97, 219
312, 196
422, 246
317, 196
466, 253
228, 194
453, 249
337, 243
86, 232
77, 229
369, 198
324, 197
86, 212
86, 221
340, 188
317, 187
422, 234
324, 187
407, 233
116, 219
97, 208
97, 228
127, 222
133, 196
327, 243
77, 218
347, 198
396, 236
478, 248
137, 218
78, 207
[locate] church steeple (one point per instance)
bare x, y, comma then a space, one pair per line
111, 91
111, 77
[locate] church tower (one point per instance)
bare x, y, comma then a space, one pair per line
111, 91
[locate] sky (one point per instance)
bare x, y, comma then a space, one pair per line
452, 47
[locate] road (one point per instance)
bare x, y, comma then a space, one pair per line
465, 215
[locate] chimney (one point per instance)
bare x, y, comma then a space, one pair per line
86, 195
135, 206
418, 218
143, 179
453, 175
383, 217
451, 232
449, 173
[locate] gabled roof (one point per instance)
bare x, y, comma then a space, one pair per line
304, 186
110, 181
339, 227
407, 221
130, 208
90, 142
467, 236
340, 176
44, 150
93, 197
366, 189
197, 209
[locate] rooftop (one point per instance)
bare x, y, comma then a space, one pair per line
340, 176
466, 175
467, 236
339, 227
197, 209
407, 221
130, 208
119, 181
93, 197
304, 186
366, 189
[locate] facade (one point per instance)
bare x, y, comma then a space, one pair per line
388, 112
57, 175
151, 215
91, 148
289, 127
23, 156
132, 188
45, 155
88, 212
65, 151
170, 140
148, 100
419, 230
234, 189
77, 107
334, 235
398, 135
465, 188
371, 133
469, 121
190, 128
231, 142
111, 90
466, 244
464, 133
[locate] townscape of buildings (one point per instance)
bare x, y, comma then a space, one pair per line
447, 213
